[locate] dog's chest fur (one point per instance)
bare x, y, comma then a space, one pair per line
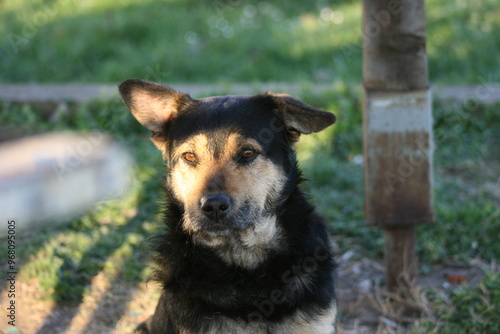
289, 291
299, 323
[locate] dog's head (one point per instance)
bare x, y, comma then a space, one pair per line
230, 157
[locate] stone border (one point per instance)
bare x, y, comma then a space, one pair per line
36, 93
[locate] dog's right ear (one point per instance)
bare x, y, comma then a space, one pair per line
301, 118
153, 105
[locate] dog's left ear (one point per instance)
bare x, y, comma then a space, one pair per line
301, 118
153, 105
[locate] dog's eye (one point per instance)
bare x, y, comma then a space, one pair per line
248, 153
190, 157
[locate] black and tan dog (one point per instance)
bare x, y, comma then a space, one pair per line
244, 251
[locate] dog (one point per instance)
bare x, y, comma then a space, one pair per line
244, 251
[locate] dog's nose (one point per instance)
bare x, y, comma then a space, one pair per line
215, 206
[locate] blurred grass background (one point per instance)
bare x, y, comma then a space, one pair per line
214, 41
224, 42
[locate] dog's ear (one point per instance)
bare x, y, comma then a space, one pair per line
301, 118
153, 105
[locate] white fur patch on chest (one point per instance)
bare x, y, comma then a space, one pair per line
251, 247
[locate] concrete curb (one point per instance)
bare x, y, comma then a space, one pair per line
43, 93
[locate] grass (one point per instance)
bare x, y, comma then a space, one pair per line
467, 166
227, 41
466, 310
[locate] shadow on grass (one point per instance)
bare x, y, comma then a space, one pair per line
75, 279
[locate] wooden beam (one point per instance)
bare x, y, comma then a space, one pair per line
397, 126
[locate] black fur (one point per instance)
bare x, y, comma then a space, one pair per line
202, 283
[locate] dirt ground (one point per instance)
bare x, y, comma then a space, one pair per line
112, 306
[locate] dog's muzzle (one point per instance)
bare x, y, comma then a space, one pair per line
215, 207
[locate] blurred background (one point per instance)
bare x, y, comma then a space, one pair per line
215, 41
86, 275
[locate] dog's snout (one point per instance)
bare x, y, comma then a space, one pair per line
215, 206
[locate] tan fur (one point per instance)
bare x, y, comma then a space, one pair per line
153, 111
223, 174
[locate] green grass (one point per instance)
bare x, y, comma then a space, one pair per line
227, 41
467, 168
466, 310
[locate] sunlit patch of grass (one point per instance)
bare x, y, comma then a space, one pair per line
227, 41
